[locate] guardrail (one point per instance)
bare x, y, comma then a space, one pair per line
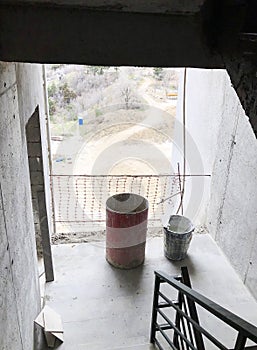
187, 333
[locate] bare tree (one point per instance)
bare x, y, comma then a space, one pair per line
127, 95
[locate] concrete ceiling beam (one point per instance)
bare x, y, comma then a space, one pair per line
64, 35
142, 6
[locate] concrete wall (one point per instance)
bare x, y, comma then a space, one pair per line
242, 73
20, 93
92, 34
233, 203
228, 147
36, 135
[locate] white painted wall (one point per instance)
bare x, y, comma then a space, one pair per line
228, 150
204, 101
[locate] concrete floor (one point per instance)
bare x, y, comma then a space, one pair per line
106, 308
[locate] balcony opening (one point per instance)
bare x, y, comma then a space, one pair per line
177, 142
112, 131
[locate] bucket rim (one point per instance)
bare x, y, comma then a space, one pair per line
124, 212
192, 228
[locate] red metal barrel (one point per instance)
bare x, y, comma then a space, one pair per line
126, 227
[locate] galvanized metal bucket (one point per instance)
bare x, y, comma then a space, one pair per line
177, 237
126, 228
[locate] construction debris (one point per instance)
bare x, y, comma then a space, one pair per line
51, 323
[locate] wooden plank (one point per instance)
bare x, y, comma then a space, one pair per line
46, 243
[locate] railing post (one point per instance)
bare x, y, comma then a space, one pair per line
192, 309
187, 339
177, 321
240, 342
154, 310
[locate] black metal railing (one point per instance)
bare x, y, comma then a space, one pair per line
185, 331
